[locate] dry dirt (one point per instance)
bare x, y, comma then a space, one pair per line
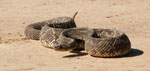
19, 54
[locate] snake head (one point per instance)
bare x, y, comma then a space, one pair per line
64, 47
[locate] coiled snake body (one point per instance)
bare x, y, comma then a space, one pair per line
60, 34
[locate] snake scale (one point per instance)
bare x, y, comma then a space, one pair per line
61, 34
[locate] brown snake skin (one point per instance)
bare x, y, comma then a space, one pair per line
32, 31
107, 43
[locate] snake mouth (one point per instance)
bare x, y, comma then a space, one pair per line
62, 48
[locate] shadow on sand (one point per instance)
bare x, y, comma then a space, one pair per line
134, 52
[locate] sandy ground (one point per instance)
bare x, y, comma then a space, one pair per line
20, 54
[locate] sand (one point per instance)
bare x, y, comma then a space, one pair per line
19, 54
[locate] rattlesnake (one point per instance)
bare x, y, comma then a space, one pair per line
61, 34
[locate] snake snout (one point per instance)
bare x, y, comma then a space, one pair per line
62, 48
58, 47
